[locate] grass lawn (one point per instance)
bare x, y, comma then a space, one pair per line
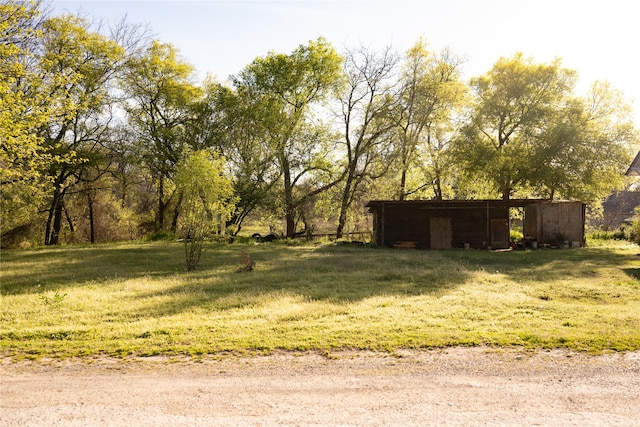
138, 299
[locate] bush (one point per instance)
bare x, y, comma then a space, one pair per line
619, 234
161, 236
634, 231
515, 235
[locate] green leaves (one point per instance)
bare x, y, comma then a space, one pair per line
280, 92
528, 130
206, 200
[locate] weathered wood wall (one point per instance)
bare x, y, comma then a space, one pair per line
470, 222
548, 221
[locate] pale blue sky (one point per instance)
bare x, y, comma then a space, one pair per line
597, 38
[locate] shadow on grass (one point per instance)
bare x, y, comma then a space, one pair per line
45, 269
632, 272
335, 275
346, 275
328, 273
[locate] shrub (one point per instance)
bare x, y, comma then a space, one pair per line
161, 236
515, 235
619, 234
634, 231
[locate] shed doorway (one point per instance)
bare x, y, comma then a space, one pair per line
499, 233
441, 236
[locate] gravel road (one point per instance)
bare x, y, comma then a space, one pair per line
455, 386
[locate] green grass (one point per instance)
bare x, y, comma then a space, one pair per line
137, 299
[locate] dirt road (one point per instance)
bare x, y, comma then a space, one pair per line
458, 386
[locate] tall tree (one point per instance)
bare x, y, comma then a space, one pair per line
514, 103
430, 92
23, 110
366, 115
528, 132
235, 125
75, 68
161, 93
285, 88
587, 147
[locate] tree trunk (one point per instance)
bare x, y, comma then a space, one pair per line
161, 205
68, 217
290, 217
403, 183
54, 220
290, 220
346, 202
437, 187
176, 215
506, 194
54, 238
92, 228
47, 231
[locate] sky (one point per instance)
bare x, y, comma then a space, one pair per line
597, 38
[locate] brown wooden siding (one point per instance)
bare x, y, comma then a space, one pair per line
478, 223
411, 222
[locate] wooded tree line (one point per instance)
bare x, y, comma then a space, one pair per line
96, 120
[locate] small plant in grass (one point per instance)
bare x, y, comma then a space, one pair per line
193, 247
247, 262
55, 300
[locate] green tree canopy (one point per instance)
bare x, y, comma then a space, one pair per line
367, 104
233, 123
160, 99
284, 89
528, 132
22, 112
76, 69
514, 103
431, 92
587, 148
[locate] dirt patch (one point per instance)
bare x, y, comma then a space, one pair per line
455, 386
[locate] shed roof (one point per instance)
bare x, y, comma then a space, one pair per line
634, 169
455, 204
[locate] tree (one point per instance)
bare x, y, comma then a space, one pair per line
206, 200
430, 93
160, 94
235, 125
514, 103
23, 110
367, 103
528, 132
285, 89
571, 158
75, 68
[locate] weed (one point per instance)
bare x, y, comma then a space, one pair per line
247, 262
55, 300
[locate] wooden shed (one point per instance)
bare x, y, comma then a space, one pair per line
556, 222
445, 224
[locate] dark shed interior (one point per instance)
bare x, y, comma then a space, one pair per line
445, 224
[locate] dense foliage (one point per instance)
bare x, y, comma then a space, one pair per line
95, 122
